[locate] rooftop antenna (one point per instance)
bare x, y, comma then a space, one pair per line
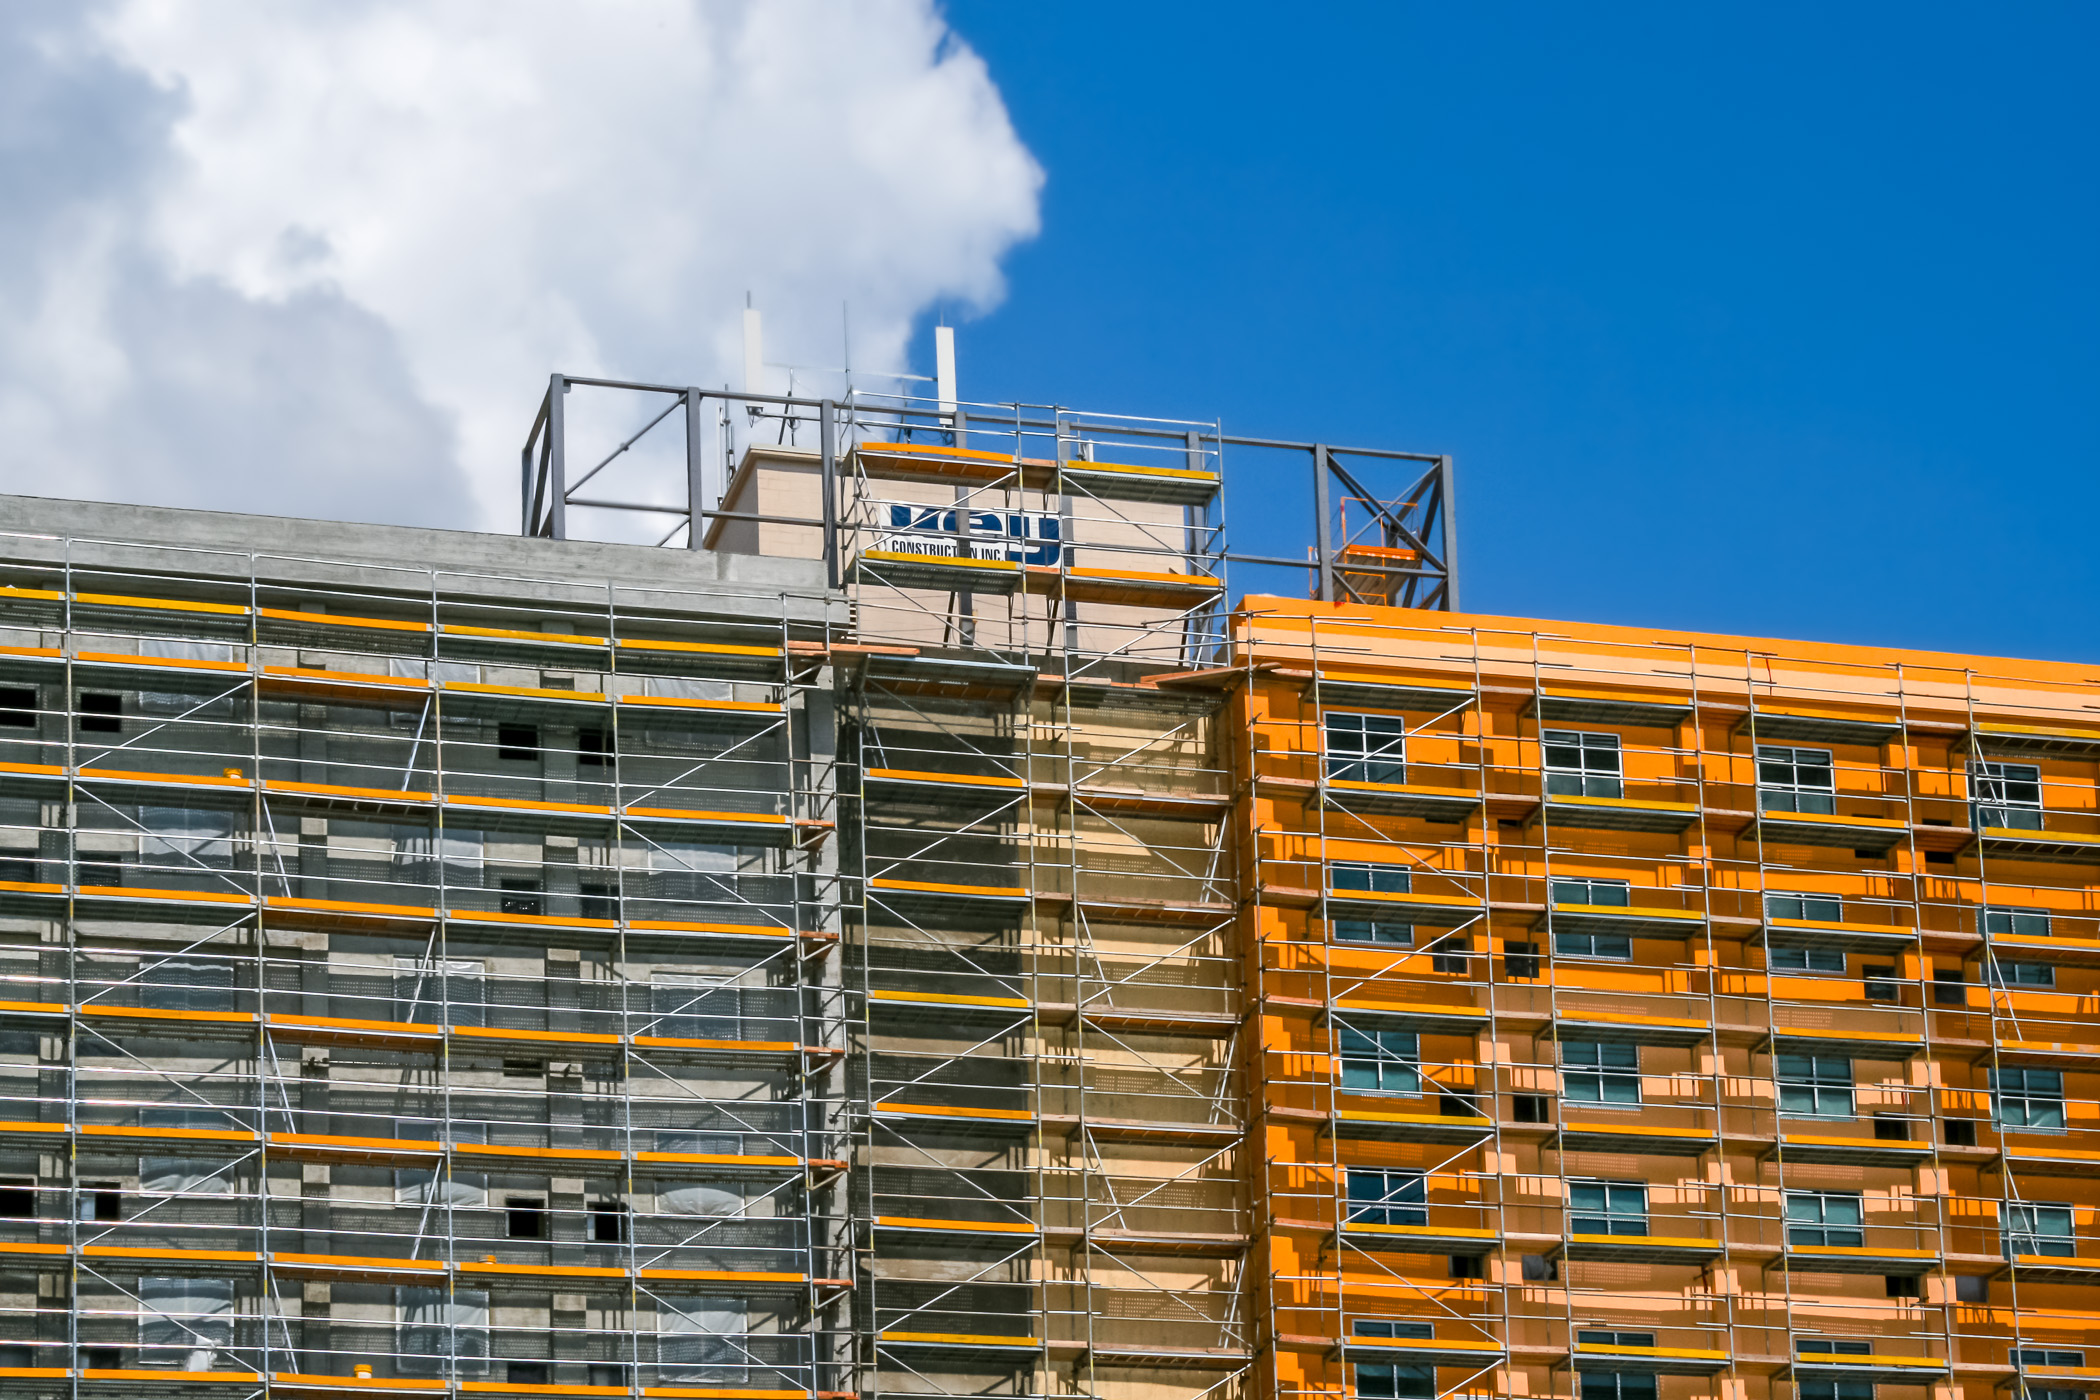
944, 370
754, 350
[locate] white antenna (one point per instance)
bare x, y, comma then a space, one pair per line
754, 353
944, 367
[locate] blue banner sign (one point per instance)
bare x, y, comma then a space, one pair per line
1023, 537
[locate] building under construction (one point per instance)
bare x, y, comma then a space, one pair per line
922, 938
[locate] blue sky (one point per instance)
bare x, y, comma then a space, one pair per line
1776, 320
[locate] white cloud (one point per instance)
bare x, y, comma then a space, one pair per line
333, 249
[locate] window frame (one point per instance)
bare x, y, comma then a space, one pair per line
2015, 1232
1594, 1072
1818, 1082
1828, 1233
2000, 790
1610, 1212
1364, 762
1814, 794
1404, 1192
1378, 879
1603, 947
2029, 1095
1393, 1060
1582, 779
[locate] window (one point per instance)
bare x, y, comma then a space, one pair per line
17, 707
2016, 923
593, 747
1388, 1197
1807, 959
444, 1334
2035, 1359
1615, 1385
1378, 1382
2007, 795
184, 1323
1832, 1387
522, 897
2037, 1228
101, 1202
1366, 748
1880, 982
520, 742
700, 1340
1814, 1086
17, 1198
2028, 1098
447, 991
598, 901
1609, 894
1795, 780
1607, 1208
1582, 764
1377, 879
101, 714
524, 1218
1825, 1219
1451, 954
1813, 908
2022, 974
695, 1007
186, 986
1591, 1072
1381, 1062
1520, 961
609, 1222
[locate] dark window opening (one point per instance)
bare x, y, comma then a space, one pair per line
1469, 1266
1539, 1269
18, 706
1456, 1106
524, 1218
599, 901
1881, 981
1939, 858
525, 1372
102, 1358
609, 1222
522, 897
523, 1069
101, 714
518, 741
1959, 1132
1520, 960
1902, 1286
18, 1200
593, 747
1889, 1128
102, 1202
1972, 1288
1528, 1108
1948, 988
1449, 955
